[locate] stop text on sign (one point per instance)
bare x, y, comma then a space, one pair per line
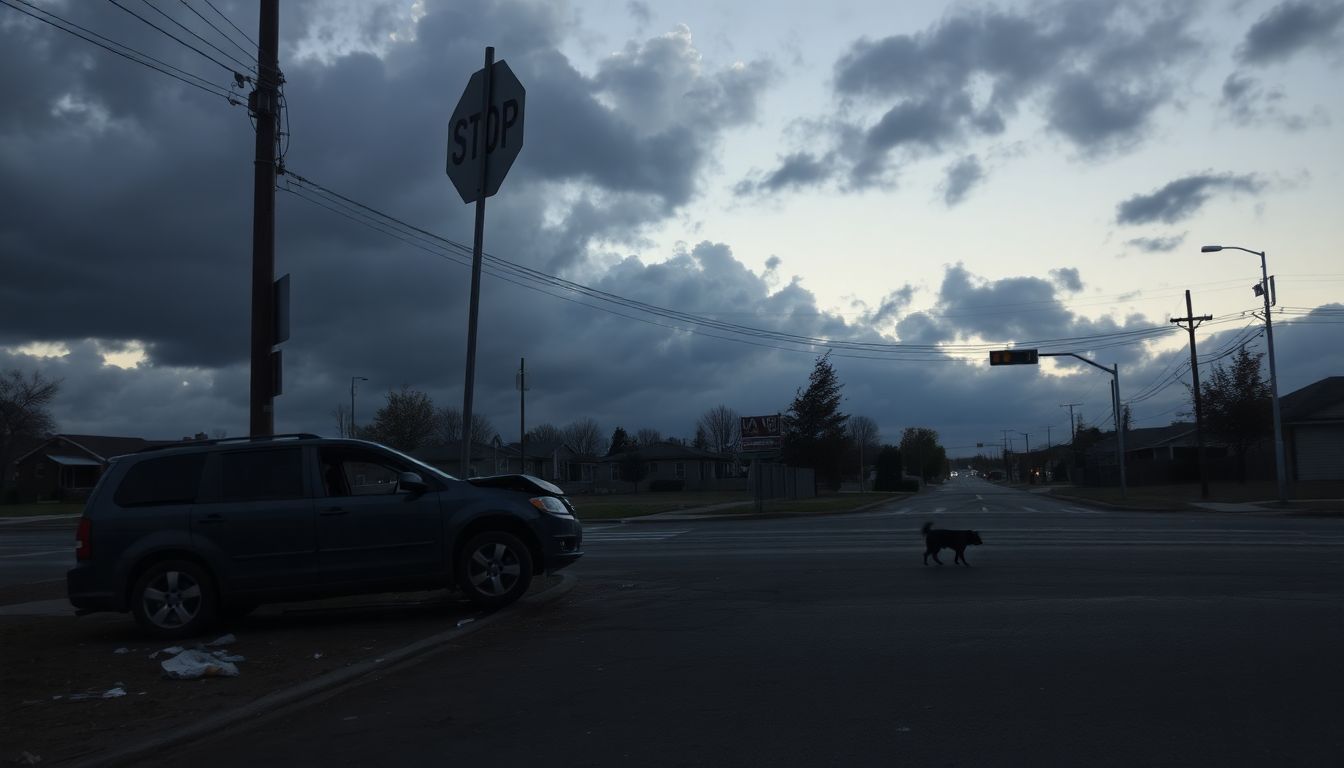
467, 131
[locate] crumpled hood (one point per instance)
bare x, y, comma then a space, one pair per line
524, 483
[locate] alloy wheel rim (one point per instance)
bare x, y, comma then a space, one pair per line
494, 569
172, 599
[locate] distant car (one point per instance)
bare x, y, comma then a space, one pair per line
182, 535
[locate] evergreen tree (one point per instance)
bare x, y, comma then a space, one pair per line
1237, 405
814, 427
619, 441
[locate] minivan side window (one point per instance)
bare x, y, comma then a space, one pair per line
261, 475
166, 480
355, 472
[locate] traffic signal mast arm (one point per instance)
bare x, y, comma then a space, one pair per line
1080, 357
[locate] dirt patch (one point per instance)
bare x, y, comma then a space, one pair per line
48, 660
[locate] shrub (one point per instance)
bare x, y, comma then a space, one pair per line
666, 485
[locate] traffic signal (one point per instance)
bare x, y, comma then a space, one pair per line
1013, 357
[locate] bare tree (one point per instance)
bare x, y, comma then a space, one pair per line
24, 413
342, 420
584, 436
406, 422
543, 434
648, 436
866, 438
721, 425
448, 427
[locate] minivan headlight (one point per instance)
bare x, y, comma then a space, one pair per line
550, 505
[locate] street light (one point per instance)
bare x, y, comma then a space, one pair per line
353, 379
1264, 291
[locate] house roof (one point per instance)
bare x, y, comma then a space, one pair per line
1180, 433
1305, 403
100, 447
544, 450
669, 452
449, 452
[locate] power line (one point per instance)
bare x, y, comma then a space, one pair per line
192, 32
231, 24
130, 54
536, 277
184, 43
250, 54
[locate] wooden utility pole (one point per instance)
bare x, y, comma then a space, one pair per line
264, 106
1191, 323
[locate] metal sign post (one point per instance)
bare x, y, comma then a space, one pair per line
484, 137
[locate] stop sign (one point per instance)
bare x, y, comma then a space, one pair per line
499, 135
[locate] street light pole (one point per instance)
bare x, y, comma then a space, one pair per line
1280, 465
353, 379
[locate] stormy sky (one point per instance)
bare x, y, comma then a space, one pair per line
709, 196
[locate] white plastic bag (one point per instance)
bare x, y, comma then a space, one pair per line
193, 664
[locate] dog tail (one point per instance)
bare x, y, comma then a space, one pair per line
927, 527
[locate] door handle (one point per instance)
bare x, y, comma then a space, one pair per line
331, 511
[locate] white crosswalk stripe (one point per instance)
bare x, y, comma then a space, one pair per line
629, 534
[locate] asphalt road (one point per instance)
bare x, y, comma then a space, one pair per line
36, 552
1078, 638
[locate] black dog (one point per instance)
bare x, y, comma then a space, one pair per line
957, 540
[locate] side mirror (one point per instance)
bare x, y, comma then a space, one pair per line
410, 481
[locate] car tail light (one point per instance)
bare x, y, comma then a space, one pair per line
84, 540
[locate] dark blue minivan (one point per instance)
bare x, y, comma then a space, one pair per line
182, 535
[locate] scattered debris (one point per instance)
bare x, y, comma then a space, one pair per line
28, 758
464, 621
122, 650
222, 640
190, 665
117, 691
226, 656
352, 717
173, 651
317, 656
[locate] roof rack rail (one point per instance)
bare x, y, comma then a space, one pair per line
225, 440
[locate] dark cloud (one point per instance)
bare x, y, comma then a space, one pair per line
639, 11
1101, 70
1290, 28
961, 177
1180, 199
800, 169
1067, 278
1249, 102
127, 222
1157, 244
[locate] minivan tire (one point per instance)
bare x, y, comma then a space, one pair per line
494, 569
174, 599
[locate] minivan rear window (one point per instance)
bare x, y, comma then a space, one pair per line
166, 480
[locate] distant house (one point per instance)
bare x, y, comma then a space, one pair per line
556, 462
670, 466
448, 457
66, 467
553, 462
1313, 430
1153, 455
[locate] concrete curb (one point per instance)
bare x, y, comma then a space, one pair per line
269, 703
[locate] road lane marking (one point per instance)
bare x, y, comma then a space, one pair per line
65, 551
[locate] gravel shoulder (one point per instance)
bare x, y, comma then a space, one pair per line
55, 670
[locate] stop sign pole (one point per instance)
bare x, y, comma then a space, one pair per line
469, 387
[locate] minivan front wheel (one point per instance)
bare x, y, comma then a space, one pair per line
494, 569
174, 598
